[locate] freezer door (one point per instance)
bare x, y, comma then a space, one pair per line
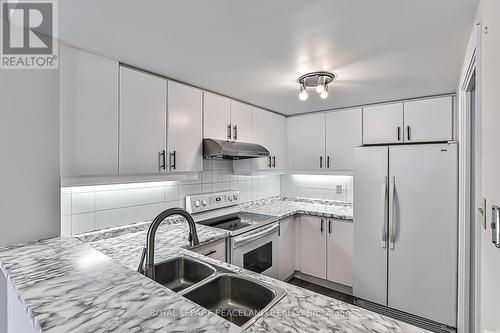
370, 224
423, 264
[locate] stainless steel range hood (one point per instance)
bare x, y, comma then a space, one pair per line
231, 150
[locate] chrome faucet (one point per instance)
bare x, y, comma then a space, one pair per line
148, 253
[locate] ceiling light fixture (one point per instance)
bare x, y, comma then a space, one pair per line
317, 80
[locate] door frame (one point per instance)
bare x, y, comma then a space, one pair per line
472, 68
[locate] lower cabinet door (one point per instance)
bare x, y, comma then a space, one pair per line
313, 246
286, 264
339, 254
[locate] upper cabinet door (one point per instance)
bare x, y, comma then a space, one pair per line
217, 117
241, 121
343, 133
309, 137
262, 134
89, 114
278, 142
429, 120
143, 110
185, 107
383, 124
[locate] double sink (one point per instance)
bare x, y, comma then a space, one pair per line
236, 298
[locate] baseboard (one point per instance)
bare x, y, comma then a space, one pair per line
324, 283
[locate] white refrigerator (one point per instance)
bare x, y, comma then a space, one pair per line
406, 229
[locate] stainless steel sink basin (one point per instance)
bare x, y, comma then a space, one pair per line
180, 273
238, 299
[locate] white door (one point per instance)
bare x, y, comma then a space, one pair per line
370, 224
383, 124
216, 117
313, 246
339, 255
89, 113
286, 265
184, 128
241, 121
278, 142
423, 258
343, 133
429, 120
309, 140
262, 135
143, 111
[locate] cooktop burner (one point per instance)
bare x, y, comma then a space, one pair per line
238, 221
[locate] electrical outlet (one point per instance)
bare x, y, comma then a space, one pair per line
339, 189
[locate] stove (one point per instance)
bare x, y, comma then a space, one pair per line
253, 241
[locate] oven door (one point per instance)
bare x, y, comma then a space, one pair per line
257, 250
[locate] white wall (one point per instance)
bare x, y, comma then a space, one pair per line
317, 187
29, 144
490, 99
90, 208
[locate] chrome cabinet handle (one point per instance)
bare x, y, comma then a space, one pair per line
269, 164
235, 134
172, 161
392, 185
399, 133
322, 225
329, 226
162, 160
408, 128
321, 162
383, 213
274, 161
229, 131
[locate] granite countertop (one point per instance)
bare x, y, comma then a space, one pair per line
282, 207
67, 285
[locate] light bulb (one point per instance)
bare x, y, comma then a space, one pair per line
320, 89
324, 94
303, 92
303, 95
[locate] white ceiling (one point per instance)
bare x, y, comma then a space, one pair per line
255, 50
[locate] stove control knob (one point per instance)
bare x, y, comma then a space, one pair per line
204, 202
230, 198
197, 203
235, 197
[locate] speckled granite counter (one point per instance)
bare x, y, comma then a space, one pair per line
67, 285
286, 206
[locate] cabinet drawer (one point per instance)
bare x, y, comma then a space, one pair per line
214, 250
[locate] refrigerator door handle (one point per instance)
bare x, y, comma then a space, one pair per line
383, 213
392, 184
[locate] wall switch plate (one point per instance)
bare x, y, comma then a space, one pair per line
339, 189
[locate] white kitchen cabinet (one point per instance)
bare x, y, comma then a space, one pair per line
143, 105
184, 130
343, 133
278, 142
262, 127
290, 143
309, 140
241, 122
89, 114
286, 265
340, 250
216, 117
313, 246
429, 120
383, 124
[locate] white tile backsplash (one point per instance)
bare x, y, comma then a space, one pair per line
317, 187
88, 208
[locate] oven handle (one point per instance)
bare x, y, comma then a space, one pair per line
257, 235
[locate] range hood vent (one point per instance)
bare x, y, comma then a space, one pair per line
231, 150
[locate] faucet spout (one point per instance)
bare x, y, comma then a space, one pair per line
148, 253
